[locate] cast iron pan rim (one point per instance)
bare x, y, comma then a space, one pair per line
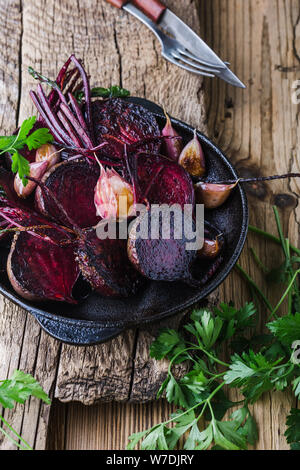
123, 325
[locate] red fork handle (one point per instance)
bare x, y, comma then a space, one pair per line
152, 8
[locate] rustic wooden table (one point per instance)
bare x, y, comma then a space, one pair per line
258, 129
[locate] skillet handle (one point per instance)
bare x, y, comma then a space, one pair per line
70, 332
152, 8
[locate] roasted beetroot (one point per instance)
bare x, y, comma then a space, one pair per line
73, 184
105, 265
162, 181
51, 248
160, 259
121, 122
39, 270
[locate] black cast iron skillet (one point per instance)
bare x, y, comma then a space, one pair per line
98, 319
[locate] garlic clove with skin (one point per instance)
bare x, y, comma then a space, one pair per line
192, 158
210, 249
173, 141
49, 153
213, 195
113, 195
37, 170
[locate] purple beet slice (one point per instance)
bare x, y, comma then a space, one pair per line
73, 184
39, 270
105, 265
160, 259
128, 123
163, 181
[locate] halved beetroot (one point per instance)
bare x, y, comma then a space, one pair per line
125, 121
164, 181
73, 184
105, 265
39, 270
160, 259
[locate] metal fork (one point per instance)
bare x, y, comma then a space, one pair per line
173, 50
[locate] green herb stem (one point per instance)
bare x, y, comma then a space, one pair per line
15, 432
215, 391
196, 348
255, 286
271, 237
280, 232
285, 294
12, 439
258, 261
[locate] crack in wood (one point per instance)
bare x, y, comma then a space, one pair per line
20, 65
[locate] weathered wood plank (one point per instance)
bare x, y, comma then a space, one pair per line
259, 130
21, 343
127, 54
116, 50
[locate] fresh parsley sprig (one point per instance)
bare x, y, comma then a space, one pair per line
18, 389
13, 144
200, 393
259, 364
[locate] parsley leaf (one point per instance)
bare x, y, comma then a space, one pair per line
113, 91
206, 328
236, 319
169, 343
255, 374
21, 166
292, 433
25, 128
226, 435
6, 142
156, 439
19, 388
38, 138
13, 144
135, 438
286, 329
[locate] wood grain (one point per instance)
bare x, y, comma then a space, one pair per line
22, 345
116, 50
258, 129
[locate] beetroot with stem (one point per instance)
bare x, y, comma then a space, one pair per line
59, 110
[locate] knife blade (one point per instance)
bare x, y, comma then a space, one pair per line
171, 24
